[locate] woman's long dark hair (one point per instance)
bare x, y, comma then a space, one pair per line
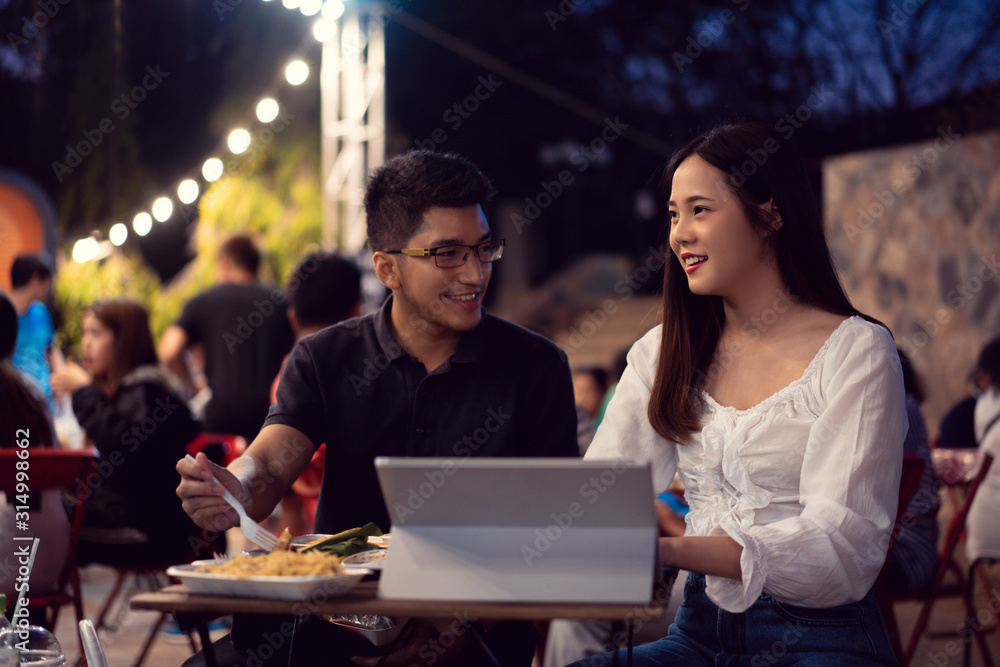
133, 347
758, 167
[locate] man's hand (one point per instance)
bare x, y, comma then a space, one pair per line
426, 646
201, 495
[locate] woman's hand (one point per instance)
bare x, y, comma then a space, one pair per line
69, 378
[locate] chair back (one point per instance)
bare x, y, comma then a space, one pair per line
909, 484
44, 469
92, 649
957, 524
230, 446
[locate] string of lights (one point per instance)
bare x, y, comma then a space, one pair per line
98, 245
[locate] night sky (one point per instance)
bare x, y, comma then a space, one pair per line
860, 74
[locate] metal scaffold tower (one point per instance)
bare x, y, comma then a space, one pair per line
353, 119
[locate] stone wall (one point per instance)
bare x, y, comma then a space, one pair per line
915, 233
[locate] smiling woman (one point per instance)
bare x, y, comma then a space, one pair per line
780, 406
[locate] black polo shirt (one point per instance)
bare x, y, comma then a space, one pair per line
505, 392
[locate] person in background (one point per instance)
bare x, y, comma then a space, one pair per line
324, 289
24, 413
31, 284
617, 368
140, 426
982, 530
781, 407
914, 559
242, 328
417, 378
590, 383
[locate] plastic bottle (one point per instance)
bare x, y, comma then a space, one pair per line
42, 649
9, 657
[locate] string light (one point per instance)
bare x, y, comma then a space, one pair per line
142, 223
187, 191
163, 208
324, 30
86, 249
311, 7
118, 233
332, 10
267, 110
212, 169
238, 140
296, 72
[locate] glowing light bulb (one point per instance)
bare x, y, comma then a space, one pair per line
85, 250
296, 72
324, 30
142, 223
239, 140
187, 190
212, 169
267, 110
163, 208
333, 10
118, 233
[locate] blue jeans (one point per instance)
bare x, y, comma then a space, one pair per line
768, 633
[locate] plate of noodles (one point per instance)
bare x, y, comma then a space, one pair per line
280, 575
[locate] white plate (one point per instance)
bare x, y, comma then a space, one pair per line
273, 587
371, 560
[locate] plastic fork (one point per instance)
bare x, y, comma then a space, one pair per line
250, 528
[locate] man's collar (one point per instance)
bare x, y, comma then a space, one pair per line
470, 345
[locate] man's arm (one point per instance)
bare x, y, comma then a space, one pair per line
171, 352
259, 478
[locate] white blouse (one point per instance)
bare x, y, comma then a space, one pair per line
806, 481
982, 529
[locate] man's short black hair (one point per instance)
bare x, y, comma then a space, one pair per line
8, 327
242, 252
27, 266
401, 191
324, 289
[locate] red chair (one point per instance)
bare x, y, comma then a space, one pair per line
909, 484
232, 445
64, 470
939, 588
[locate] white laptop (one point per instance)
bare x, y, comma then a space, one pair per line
519, 530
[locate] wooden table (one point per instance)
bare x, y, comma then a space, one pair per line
364, 600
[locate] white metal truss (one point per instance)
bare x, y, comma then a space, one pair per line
352, 86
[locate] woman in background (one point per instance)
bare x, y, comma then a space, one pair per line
141, 427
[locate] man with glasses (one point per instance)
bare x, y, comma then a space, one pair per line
429, 374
